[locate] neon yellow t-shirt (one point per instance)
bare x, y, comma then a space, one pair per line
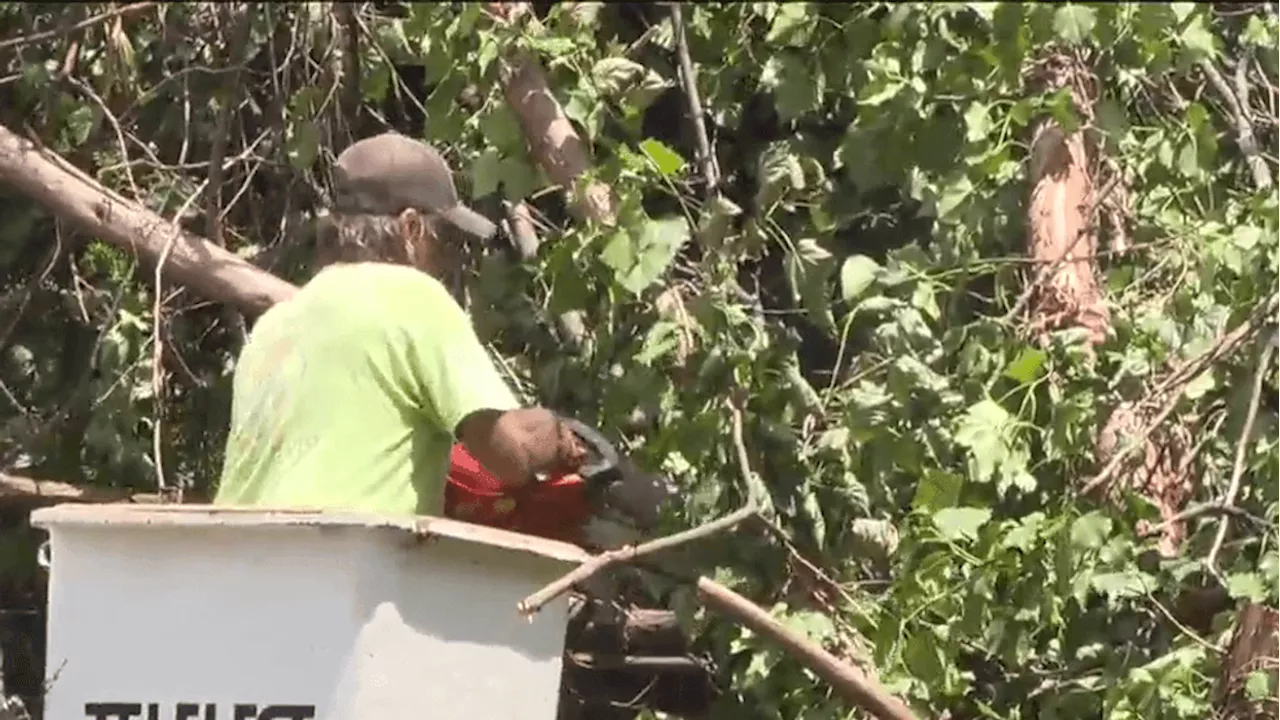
347, 396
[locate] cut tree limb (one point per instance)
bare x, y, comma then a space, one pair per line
845, 679
1254, 647
848, 681
552, 140
570, 323
18, 490
72, 195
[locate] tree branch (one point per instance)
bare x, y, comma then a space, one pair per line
564, 583
689, 81
124, 11
1238, 106
68, 192
845, 679
1242, 450
551, 138
19, 490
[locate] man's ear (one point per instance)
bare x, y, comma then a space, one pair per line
412, 226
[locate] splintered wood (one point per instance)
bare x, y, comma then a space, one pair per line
1064, 210
1254, 649
1061, 233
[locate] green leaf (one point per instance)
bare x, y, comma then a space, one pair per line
857, 273
808, 269
628, 81
977, 122
303, 145
983, 430
879, 536
1256, 33
519, 179
1198, 39
1126, 583
1074, 23
1027, 366
959, 523
501, 128
796, 89
1090, 532
1246, 585
937, 490
486, 173
80, 123
669, 163
1258, 685
639, 258
789, 18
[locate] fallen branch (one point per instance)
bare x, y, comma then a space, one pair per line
124, 11
1172, 385
550, 135
15, 489
1238, 106
564, 583
72, 195
849, 682
845, 679
572, 326
689, 81
1242, 450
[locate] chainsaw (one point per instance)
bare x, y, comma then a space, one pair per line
606, 503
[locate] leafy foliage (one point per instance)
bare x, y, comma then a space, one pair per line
840, 301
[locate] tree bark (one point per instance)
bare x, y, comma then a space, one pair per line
1254, 648
552, 141
72, 195
1065, 205
845, 679
1061, 220
16, 490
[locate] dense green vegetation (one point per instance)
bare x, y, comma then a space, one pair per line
833, 329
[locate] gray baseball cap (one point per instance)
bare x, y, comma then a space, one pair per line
390, 173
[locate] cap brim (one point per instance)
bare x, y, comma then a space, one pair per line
470, 222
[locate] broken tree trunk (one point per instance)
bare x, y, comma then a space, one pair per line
1064, 209
72, 195
1061, 232
1254, 648
553, 142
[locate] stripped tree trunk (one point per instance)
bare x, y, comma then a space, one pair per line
1254, 648
1067, 202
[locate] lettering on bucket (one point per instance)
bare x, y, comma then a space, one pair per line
196, 711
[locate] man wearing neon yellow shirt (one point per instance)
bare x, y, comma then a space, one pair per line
351, 394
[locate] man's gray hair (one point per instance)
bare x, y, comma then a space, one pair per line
376, 238
353, 238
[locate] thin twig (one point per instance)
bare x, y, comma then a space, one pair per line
1210, 508
1242, 450
689, 81
157, 341
238, 33
558, 587
86, 23
1238, 105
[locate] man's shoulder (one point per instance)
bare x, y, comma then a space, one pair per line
368, 276
381, 294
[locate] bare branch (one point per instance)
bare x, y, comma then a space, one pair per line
123, 11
